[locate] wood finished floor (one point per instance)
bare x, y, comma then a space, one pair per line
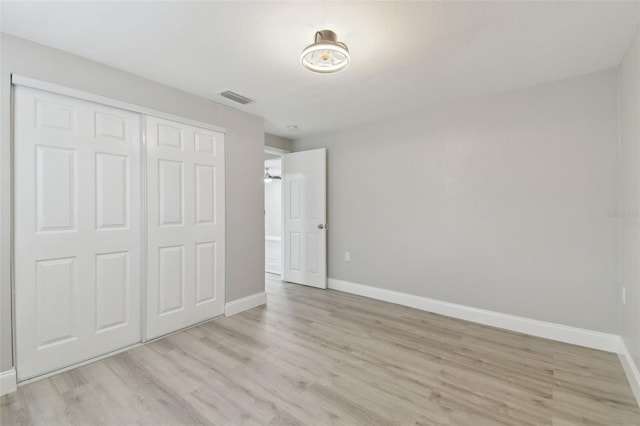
319, 357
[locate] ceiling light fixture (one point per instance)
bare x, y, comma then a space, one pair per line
326, 55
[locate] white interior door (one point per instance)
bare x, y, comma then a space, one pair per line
77, 230
185, 231
305, 192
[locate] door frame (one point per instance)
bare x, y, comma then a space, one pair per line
279, 152
18, 80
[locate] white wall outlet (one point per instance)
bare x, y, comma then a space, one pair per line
623, 295
347, 256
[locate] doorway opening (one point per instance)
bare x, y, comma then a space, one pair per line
273, 218
295, 215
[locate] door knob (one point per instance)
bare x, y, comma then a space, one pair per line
321, 226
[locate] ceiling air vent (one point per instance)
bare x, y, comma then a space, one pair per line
235, 97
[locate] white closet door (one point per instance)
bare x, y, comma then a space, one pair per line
185, 238
77, 230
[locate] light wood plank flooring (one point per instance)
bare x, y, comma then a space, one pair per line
319, 357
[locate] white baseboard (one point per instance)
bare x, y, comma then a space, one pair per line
245, 303
577, 336
630, 369
8, 381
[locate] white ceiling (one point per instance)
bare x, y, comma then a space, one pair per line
405, 55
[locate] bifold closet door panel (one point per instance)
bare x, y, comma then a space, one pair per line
185, 225
77, 230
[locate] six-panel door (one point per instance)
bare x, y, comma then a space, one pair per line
77, 230
305, 192
185, 229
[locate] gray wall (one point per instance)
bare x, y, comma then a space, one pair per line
498, 203
629, 205
278, 142
244, 158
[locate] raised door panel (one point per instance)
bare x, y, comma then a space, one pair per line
295, 251
295, 199
112, 191
170, 136
171, 192
205, 143
205, 194
113, 282
171, 279
205, 272
56, 115
56, 288
56, 185
111, 127
311, 249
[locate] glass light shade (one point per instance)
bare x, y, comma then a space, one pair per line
326, 55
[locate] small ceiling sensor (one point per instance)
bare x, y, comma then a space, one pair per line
292, 127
